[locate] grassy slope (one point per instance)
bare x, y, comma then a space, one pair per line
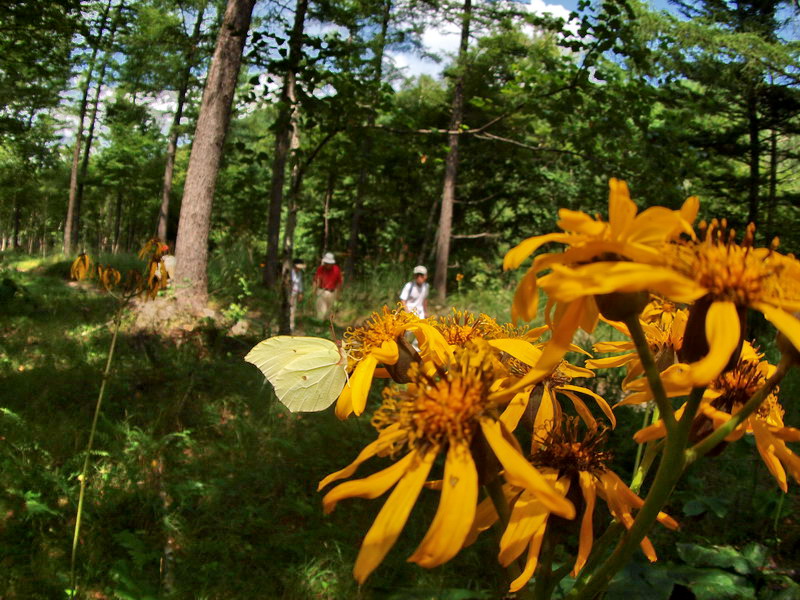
194, 454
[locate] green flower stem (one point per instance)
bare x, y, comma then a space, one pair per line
645, 453
707, 444
495, 490
669, 471
89, 445
651, 371
650, 453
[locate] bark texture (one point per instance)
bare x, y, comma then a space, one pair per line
172, 145
191, 247
451, 162
286, 123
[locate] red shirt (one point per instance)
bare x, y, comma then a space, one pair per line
328, 277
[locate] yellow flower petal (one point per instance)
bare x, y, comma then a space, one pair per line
582, 410
527, 516
387, 353
393, 516
515, 409
520, 472
621, 209
601, 402
587, 483
344, 404
533, 559
456, 510
526, 298
787, 324
388, 436
723, 334
610, 362
369, 487
519, 349
766, 448
360, 382
579, 222
517, 255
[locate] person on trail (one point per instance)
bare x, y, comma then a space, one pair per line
296, 293
327, 281
414, 296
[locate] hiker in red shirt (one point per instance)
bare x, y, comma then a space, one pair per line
327, 281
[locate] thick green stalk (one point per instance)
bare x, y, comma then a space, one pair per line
89, 445
644, 458
651, 371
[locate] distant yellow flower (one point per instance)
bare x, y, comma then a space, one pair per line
724, 397
664, 333
624, 254
567, 460
376, 342
82, 267
730, 278
440, 413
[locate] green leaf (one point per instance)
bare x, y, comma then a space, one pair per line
724, 557
714, 584
641, 581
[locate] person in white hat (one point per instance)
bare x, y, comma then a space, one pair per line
327, 281
414, 296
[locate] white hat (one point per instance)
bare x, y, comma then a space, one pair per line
420, 270
328, 259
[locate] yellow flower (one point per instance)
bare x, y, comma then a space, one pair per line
549, 409
377, 342
732, 277
568, 461
664, 331
724, 397
437, 414
624, 254
81, 267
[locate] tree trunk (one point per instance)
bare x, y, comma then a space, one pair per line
451, 162
326, 210
283, 133
172, 145
87, 148
70, 227
772, 200
191, 247
117, 221
754, 179
17, 220
366, 150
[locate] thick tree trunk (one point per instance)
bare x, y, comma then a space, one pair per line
172, 145
70, 224
283, 135
191, 247
366, 150
451, 162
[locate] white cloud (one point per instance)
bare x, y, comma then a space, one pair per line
442, 40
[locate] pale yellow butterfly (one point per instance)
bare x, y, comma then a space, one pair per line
308, 373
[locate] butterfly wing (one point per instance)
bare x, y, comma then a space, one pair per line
308, 373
